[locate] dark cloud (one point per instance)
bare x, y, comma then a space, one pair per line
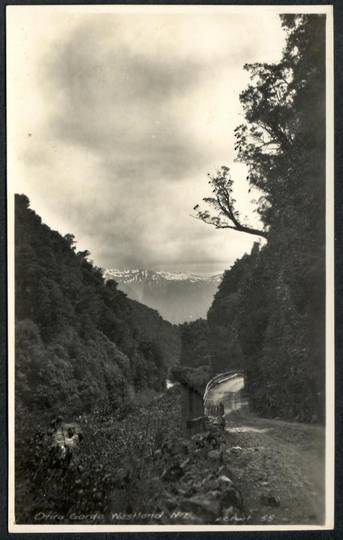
119, 103
130, 114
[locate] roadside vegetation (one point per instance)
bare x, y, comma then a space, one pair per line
268, 316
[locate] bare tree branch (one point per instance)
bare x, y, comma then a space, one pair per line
224, 203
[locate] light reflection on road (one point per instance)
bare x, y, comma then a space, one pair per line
229, 393
246, 429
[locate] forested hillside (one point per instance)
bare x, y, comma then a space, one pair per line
80, 343
268, 315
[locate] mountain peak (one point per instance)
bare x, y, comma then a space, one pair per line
178, 296
138, 274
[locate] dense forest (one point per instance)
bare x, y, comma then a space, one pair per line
80, 343
97, 431
268, 315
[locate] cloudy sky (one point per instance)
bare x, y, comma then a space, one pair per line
115, 117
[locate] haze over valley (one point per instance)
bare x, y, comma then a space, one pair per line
178, 296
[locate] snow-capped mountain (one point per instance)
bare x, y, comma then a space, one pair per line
178, 297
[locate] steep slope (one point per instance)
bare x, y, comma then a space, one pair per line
179, 297
268, 316
79, 341
260, 323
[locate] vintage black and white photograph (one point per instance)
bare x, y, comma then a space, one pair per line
170, 192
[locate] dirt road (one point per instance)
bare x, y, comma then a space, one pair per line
279, 468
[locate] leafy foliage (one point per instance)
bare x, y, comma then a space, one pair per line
113, 470
194, 343
223, 202
79, 340
86, 352
268, 315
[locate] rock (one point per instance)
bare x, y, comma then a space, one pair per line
225, 480
212, 440
235, 450
268, 518
232, 497
203, 504
212, 484
229, 513
200, 439
270, 500
219, 422
214, 454
197, 425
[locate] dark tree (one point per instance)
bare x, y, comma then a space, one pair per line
269, 312
227, 216
282, 141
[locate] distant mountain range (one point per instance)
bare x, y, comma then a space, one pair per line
178, 297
